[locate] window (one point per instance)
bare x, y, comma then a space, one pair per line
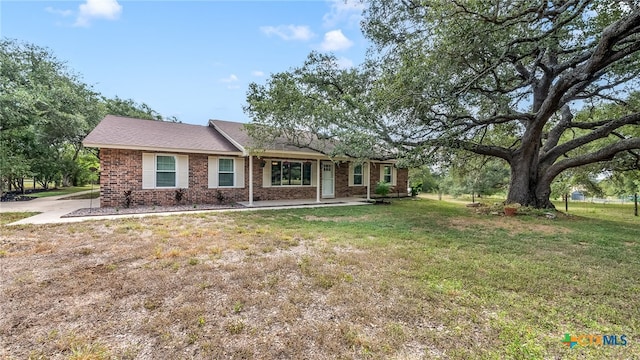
290, 173
387, 174
357, 175
165, 171
225, 172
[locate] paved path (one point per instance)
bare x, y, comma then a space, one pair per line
52, 208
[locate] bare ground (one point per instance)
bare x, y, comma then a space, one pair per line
200, 287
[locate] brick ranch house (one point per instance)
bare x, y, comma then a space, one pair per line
148, 162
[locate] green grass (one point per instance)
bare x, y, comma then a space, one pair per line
611, 211
9, 217
414, 279
64, 191
91, 195
522, 282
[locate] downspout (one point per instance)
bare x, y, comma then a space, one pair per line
250, 180
318, 181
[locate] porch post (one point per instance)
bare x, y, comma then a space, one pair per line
250, 180
368, 180
318, 181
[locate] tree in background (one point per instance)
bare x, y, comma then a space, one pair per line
44, 106
46, 111
130, 108
496, 78
475, 176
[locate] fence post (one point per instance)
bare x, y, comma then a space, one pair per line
566, 202
635, 202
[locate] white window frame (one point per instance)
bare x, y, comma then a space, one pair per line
213, 173
175, 171
267, 173
392, 174
364, 173
302, 166
150, 170
361, 174
233, 172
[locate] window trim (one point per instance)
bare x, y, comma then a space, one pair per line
354, 174
156, 171
392, 174
303, 164
233, 172
213, 174
150, 166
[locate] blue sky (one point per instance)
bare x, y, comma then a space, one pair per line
190, 59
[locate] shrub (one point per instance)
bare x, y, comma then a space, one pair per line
179, 195
383, 188
128, 198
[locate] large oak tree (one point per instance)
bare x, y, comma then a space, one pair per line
497, 78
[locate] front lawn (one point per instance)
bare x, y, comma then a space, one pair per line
63, 191
9, 217
415, 279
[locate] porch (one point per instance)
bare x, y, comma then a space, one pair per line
306, 202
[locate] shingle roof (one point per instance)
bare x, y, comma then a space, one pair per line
236, 132
130, 133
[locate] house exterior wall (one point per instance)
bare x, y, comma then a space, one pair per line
261, 193
402, 181
121, 183
121, 172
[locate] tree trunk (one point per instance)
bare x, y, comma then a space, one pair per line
528, 188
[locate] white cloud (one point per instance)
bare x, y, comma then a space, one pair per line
344, 11
233, 87
344, 63
230, 79
60, 12
98, 9
335, 40
289, 32
257, 73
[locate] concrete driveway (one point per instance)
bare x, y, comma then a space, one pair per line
51, 208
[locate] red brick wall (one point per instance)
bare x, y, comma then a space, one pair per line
121, 171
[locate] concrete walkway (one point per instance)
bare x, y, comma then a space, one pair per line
52, 208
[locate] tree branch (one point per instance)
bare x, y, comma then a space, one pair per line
604, 154
599, 133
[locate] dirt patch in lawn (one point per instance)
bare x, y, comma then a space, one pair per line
338, 218
509, 224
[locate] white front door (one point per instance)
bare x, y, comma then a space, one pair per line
327, 180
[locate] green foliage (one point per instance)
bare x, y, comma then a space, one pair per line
494, 78
130, 108
46, 112
482, 176
45, 109
382, 188
423, 179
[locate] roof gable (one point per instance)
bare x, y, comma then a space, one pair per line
236, 133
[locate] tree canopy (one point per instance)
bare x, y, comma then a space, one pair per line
46, 110
516, 80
